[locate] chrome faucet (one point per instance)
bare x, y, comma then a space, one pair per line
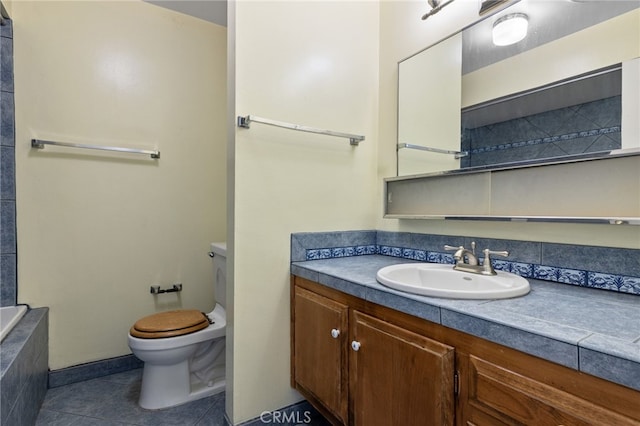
471, 264
462, 252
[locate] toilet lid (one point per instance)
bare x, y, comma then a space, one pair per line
169, 324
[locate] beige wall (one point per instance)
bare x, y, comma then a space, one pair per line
96, 230
314, 64
402, 34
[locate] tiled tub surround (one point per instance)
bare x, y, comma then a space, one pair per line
23, 369
8, 276
580, 129
582, 328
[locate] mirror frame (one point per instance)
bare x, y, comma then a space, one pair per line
416, 196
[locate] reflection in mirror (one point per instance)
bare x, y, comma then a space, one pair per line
431, 107
569, 88
578, 116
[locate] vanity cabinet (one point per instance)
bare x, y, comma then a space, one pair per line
320, 347
363, 364
358, 369
398, 377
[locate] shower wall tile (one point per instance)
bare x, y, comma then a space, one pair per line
8, 280
7, 173
6, 30
6, 64
8, 227
7, 124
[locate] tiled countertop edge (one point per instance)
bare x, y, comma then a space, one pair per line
601, 356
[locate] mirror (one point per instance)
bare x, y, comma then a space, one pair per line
569, 88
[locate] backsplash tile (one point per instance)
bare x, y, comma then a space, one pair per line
329, 253
302, 241
607, 268
599, 259
619, 283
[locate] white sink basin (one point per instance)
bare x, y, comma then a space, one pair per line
440, 280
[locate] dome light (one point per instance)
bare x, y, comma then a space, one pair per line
510, 29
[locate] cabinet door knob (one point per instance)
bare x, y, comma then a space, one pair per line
355, 345
335, 333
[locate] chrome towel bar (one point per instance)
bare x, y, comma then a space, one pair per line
39, 144
245, 122
457, 154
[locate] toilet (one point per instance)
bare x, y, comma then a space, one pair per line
184, 350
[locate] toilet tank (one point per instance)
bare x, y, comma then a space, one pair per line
219, 253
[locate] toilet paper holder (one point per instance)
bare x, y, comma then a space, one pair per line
155, 289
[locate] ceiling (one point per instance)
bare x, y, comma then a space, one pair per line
210, 10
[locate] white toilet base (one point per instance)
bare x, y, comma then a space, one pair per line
165, 386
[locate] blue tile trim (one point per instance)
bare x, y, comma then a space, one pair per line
578, 277
333, 252
619, 283
92, 370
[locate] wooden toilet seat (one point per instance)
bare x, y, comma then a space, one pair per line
169, 324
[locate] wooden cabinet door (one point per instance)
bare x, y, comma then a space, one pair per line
321, 350
496, 392
399, 377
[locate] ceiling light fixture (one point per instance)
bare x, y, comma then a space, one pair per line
510, 29
436, 6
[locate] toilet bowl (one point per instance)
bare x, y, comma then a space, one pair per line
190, 364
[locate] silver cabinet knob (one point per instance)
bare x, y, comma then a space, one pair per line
355, 345
335, 333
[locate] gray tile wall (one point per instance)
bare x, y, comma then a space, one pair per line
8, 250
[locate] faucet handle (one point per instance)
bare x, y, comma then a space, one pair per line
488, 252
487, 268
453, 248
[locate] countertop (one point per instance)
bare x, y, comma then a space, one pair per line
590, 330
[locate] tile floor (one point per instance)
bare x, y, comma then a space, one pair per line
113, 401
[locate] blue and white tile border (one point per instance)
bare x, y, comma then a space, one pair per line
550, 139
330, 253
567, 274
